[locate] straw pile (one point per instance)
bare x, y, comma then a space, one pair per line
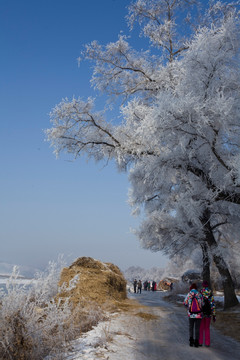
165, 284
98, 282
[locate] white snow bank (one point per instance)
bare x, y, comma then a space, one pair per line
106, 341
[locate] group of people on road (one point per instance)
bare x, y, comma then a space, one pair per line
147, 286
150, 285
201, 308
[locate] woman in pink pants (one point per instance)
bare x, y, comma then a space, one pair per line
208, 312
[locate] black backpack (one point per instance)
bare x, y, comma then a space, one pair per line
206, 308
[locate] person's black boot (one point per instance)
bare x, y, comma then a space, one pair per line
196, 343
191, 341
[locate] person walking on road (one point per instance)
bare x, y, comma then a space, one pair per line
139, 286
208, 313
194, 301
135, 286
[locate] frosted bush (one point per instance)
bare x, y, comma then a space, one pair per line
180, 288
34, 322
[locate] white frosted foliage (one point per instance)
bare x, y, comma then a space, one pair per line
179, 134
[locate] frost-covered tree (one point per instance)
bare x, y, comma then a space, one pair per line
179, 134
196, 176
137, 272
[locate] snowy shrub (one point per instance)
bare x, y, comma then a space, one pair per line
180, 287
34, 322
86, 315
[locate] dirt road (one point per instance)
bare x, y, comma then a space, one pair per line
166, 338
161, 334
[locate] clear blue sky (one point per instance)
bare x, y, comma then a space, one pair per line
48, 206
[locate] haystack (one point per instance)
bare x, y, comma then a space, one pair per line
98, 282
165, 283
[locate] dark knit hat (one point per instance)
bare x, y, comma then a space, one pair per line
193, 286
205, 283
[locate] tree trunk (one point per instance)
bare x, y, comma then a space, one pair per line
206, 264
230, 298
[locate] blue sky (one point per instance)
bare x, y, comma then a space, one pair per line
48, 206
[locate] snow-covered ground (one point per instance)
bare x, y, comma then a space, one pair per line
21, 281
129, 337
4, 279
113, 339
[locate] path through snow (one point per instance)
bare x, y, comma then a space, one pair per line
166, 338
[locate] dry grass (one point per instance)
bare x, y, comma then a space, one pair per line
228, 322
147, 316
127, 305
134, 308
